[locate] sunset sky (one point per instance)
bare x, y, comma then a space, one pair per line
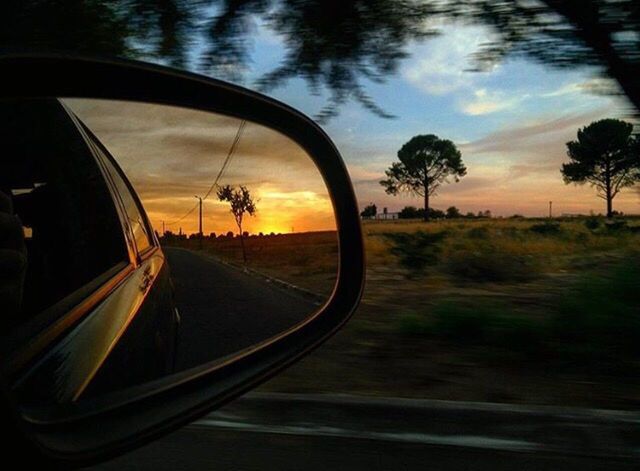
511, 124
171, 155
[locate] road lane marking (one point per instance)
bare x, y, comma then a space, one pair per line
310, 430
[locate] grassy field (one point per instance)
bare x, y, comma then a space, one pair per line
508, 310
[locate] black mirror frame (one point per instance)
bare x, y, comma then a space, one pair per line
86, 437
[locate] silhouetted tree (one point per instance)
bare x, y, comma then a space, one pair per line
332, 44
410, 212
426, 161
369, 211
453, 212
241, 202
605, 155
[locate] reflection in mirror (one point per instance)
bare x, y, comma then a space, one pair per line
142, 240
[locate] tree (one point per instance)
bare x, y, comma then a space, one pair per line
426, 161
453, 212
241, 203
369, 211
607, 156
335, 45
410, 212
602, 35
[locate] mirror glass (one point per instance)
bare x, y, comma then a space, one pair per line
143, 240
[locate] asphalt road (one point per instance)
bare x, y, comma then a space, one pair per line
202, 449
224, 309
309, 432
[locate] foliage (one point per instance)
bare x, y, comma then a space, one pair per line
425, 162
332, 44
413, 323
490, 265
605, 155
416, 251
411, 212
486, 323
563, 34
369, 211
592, 223
546, 228
601, 316
616, 225
480, 232
241, 202
453, 212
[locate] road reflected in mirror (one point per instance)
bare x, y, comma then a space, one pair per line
153, 239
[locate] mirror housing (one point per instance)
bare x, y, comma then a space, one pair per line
75, 434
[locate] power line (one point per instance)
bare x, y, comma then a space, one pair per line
227, 160
225, 164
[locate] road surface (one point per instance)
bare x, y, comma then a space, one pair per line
318, 432
224, 309
193, 449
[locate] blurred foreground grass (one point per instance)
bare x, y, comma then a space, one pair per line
502, 310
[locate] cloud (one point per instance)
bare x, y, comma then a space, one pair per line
171, 154
596, 86
468, 184
484, 102
442, 64
543, 132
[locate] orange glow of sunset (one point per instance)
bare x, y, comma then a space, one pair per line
171, 155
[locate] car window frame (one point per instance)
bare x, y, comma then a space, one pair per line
101, 153
50, 324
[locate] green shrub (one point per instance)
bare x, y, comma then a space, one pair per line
592, 223
600, 317
490, 324
582, 237
616, 225
490, 266
464, 324
412, 323
546, 228
417, 250
481, 232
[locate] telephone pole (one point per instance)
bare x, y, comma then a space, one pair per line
200, 221
550, 211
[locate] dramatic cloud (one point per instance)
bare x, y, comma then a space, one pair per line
171, 154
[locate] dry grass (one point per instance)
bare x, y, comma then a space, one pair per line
408, 336
308, 260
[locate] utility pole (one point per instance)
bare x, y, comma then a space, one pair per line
550, 211
200, 221
199, 216
163, 231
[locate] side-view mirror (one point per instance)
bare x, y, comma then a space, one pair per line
167, 242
